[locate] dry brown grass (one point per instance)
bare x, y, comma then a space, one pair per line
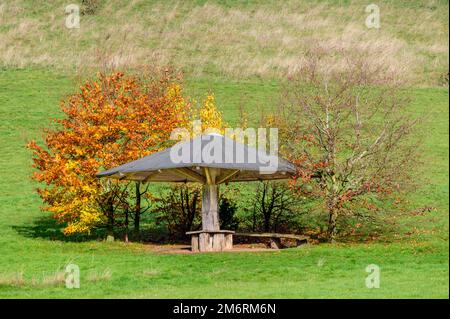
151, 272
95, 276
12, 279
17, 279
56, 279
267, 39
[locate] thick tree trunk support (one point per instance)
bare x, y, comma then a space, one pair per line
211, 238
210, 215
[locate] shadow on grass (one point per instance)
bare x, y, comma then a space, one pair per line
48, 228
45, 227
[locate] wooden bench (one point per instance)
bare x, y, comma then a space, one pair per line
275, 238
206, 240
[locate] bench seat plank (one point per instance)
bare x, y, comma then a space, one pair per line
273, 235
210, 232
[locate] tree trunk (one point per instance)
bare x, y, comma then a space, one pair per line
191, 208
210, 217
126, 226
254, 220
110, 227
333, 210
137, 210
266, 221
333, 215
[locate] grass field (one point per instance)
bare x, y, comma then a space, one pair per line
413, 264
240, 51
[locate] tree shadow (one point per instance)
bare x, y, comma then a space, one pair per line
46, 227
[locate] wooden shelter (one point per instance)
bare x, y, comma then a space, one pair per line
210, 160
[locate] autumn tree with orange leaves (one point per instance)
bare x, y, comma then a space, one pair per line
110, 121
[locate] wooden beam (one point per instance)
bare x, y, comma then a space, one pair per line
211, 174
208, 175
186, 172
145, 180
226, 177
128, 176
139, 177
273, 235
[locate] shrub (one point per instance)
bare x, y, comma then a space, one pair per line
274, 207
227, 211
348, 129
443, 79
90, 7
180, 209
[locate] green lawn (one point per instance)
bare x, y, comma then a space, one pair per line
413, 264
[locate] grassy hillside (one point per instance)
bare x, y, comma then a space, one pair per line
227, 38
414, 263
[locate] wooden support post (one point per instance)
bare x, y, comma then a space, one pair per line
218, 242
228, 241
210, 215
194, 243
205, 242
275, 243
210, 238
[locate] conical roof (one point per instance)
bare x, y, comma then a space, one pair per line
186, 162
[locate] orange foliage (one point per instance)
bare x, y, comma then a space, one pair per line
110, 121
